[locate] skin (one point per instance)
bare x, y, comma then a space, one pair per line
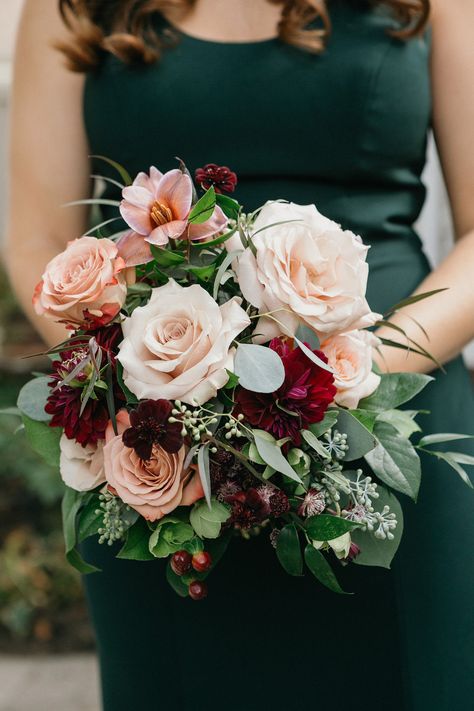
49, 165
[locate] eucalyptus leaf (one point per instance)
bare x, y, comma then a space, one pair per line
288, 550
321, 569
258, 368
205, 472
376, 551
43, 439
402, 421
455, 460
395, 389
271, 453
328, 421
441, 437
32, 399
359, 439
315, 444
228, 259
306, 335
312, 356
395, 461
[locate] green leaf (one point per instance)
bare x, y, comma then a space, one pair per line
258, 368
32, 399
13, 411
328, 421
90, 521
204, 273
307, 335
455, 459
228, 259
359, 439
365, 417
204, 207
315, 444
130, 397
321, 569
374, 551
395, 461
207, 521
312, 356
124, 174
205, 472
324, 527
44, 439
402, 421
166, 257
71, 504
288, 550
271, 453
136, 542
413, 299
441, 437
229, 206
395, 389
213, 242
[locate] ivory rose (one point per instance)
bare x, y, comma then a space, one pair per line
306, 271
154, 487
157, 206
178, 346
350, 356
85, 285
81, 468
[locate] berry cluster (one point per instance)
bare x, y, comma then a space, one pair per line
182, 563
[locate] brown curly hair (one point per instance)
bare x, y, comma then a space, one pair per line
124, 27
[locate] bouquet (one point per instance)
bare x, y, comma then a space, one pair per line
219, 381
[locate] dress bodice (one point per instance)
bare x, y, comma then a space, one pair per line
345, 129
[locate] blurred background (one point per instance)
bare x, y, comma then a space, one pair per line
42, 610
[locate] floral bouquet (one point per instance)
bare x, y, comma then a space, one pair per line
219, 382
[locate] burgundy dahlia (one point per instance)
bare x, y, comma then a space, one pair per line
304, 397
221, 177
256, 504
150, 425
64, 403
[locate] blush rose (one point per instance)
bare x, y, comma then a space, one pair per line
178, 346
81, 467
85, 285
350, 356
154, 487
304, 270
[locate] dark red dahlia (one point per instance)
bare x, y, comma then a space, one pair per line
64, 403
303, 398
150, 425
221, 177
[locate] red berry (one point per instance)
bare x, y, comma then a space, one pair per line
181, 562
201, 561
197, 590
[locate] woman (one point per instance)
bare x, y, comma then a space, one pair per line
337, 114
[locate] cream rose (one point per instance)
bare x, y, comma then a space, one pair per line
85, 285
178, 345
81, 468
350, 356
154, 487
307, 271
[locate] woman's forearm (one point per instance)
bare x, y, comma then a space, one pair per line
447, 317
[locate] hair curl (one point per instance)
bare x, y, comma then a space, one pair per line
124, 27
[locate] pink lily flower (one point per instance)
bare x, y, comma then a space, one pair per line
157, 206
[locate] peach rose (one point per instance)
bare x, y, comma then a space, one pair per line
81, 468
350, 356
178, 346
155, 487
306, 271
86, 285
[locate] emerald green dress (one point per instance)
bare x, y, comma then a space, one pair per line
345, 130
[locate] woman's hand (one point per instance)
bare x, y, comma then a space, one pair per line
448, 317
48, 156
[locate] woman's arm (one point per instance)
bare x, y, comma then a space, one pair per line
48, 156
448, 317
